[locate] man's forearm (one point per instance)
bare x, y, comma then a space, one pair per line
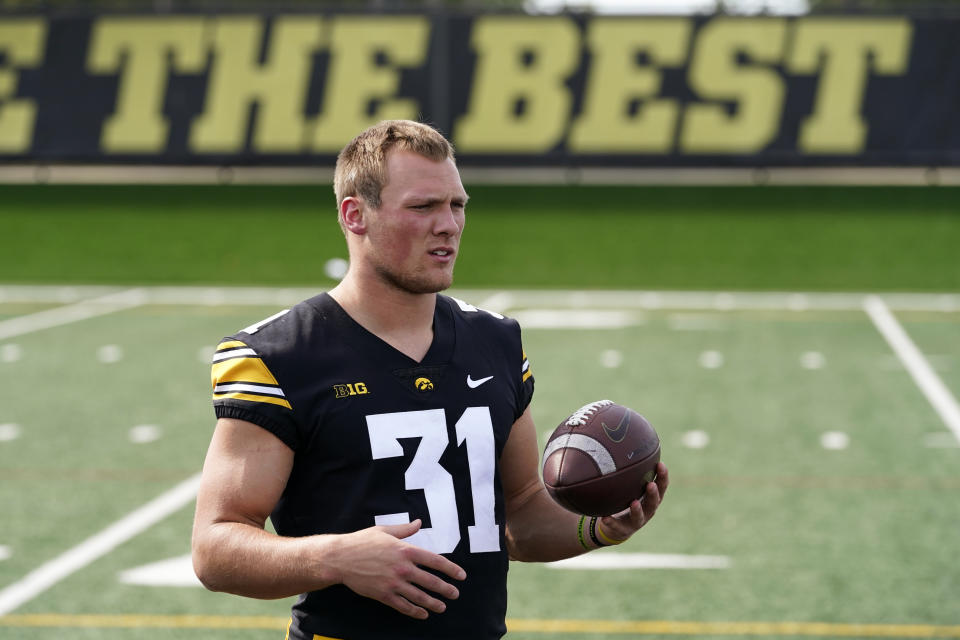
543, 531
248, 561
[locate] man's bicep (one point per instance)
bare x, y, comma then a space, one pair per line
244, 474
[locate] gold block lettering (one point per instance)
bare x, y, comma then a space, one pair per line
756, 91
518, 102
839, 50
366, 57
616, 80
143, 51
238, 80
22, 41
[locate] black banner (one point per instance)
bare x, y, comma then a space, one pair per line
291, 89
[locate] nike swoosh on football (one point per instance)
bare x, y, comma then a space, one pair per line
473, 384
618, 433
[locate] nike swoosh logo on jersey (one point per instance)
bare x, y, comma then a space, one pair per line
473, 384
618, 433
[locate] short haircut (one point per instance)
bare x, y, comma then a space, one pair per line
362, 164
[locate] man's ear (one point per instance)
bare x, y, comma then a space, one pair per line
352, 215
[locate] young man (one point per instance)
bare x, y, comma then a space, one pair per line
385, 429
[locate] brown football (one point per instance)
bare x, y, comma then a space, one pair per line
600, 459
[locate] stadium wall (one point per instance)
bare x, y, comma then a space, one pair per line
574, 93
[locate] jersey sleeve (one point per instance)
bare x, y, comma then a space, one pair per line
245, 389
526, 383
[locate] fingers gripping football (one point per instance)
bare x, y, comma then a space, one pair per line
621, 526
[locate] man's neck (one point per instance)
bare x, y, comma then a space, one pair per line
402, 319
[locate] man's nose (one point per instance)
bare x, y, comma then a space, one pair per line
449, 221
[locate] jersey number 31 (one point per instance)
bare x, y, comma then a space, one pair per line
474, 428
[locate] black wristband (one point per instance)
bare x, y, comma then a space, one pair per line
593, 533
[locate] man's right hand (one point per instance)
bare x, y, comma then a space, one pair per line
244, 475
379, 564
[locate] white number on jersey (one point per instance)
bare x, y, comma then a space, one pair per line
475, 428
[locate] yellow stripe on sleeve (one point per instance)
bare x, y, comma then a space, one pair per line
525, 367
242, 370
248, 371
229, 344
253, 398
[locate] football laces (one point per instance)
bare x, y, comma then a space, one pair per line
579, 417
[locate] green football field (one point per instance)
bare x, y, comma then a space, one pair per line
812, 441
558, 237
798, 350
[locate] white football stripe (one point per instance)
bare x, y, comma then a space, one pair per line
145, 433
9, 431
230, 387
175, 572
588, 445
10, 353
53, 571
504, 299
59, 316
937, 393
576, 319
234, 353
609, 560
110, 353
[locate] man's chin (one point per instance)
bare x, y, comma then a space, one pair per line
418, 284
435, 287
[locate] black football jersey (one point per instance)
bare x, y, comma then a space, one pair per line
379, 438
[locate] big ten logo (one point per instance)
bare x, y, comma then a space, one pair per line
354, 389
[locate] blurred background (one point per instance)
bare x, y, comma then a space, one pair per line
653, 118
740, 217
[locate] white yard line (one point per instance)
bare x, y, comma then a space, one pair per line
172, 572
917, 365
52, 572
577, 318
89, 302
98, 545
500, 300
606, 561
59, 316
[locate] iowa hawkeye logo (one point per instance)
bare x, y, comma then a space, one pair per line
354, 389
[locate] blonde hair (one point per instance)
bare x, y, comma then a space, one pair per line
362, 164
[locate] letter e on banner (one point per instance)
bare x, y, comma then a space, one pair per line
756, 89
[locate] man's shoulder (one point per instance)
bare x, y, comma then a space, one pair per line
286, 332
478, 316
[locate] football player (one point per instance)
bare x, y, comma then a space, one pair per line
385, 429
